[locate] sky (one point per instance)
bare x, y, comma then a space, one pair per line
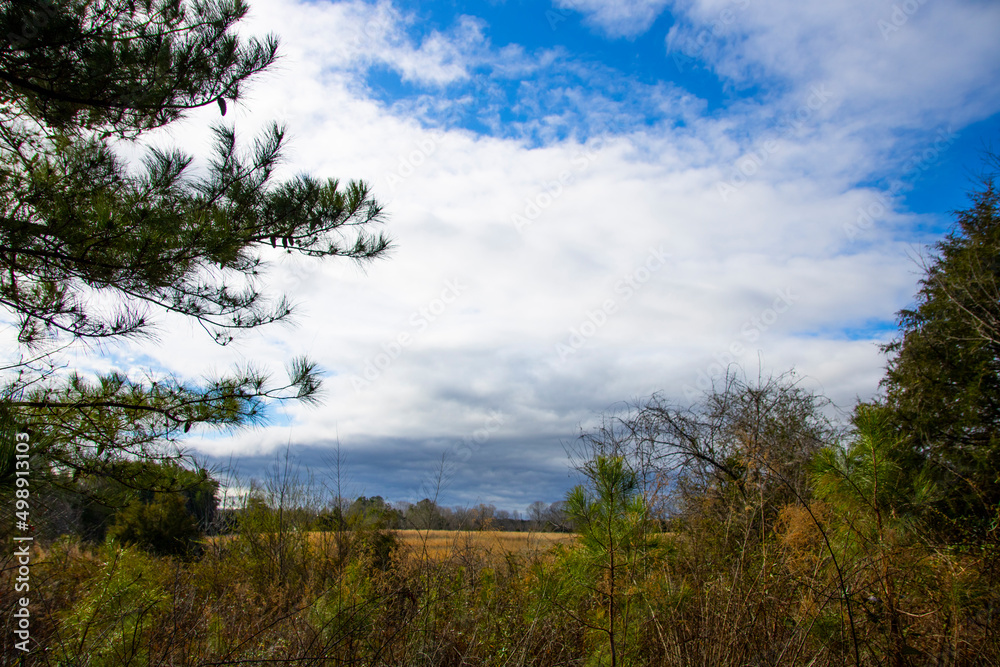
590, 202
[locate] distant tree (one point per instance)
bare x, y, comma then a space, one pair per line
488, 516
425, 515
372, 512
93, 246
556, 517
546, 516
536, 514
943, 376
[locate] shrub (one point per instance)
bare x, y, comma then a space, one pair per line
162, 526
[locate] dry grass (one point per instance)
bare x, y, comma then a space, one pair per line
442, 544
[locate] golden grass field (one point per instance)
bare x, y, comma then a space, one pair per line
444, 544
441, 544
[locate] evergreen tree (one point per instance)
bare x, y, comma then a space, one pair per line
943, 377
613, 522
161, 526
93, 247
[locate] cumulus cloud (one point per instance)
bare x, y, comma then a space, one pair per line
892, 69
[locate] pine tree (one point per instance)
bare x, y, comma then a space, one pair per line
614, 525
943, 377
94, 247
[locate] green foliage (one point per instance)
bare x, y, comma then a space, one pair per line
943, 378
610, 517
162, 508
121, 603
363, 529
98, 498
425, 515
162, 526
615, 549
369, 521
875, 474
273, 541
879, 500
111, 606
373, 512
124, 66
347, 612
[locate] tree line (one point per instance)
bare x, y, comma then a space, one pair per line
426, 514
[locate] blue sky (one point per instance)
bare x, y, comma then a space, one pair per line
584, 58
593, 202
627, 67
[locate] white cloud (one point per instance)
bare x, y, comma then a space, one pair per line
892, 67
356, 35
618, 19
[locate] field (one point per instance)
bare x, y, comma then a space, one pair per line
442, 544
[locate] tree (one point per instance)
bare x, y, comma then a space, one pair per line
162, 526
371, 514
88, 505
547, 517
943, 376
536, 514
612, 520
425, 515
745, 444
92, 246
877, 501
